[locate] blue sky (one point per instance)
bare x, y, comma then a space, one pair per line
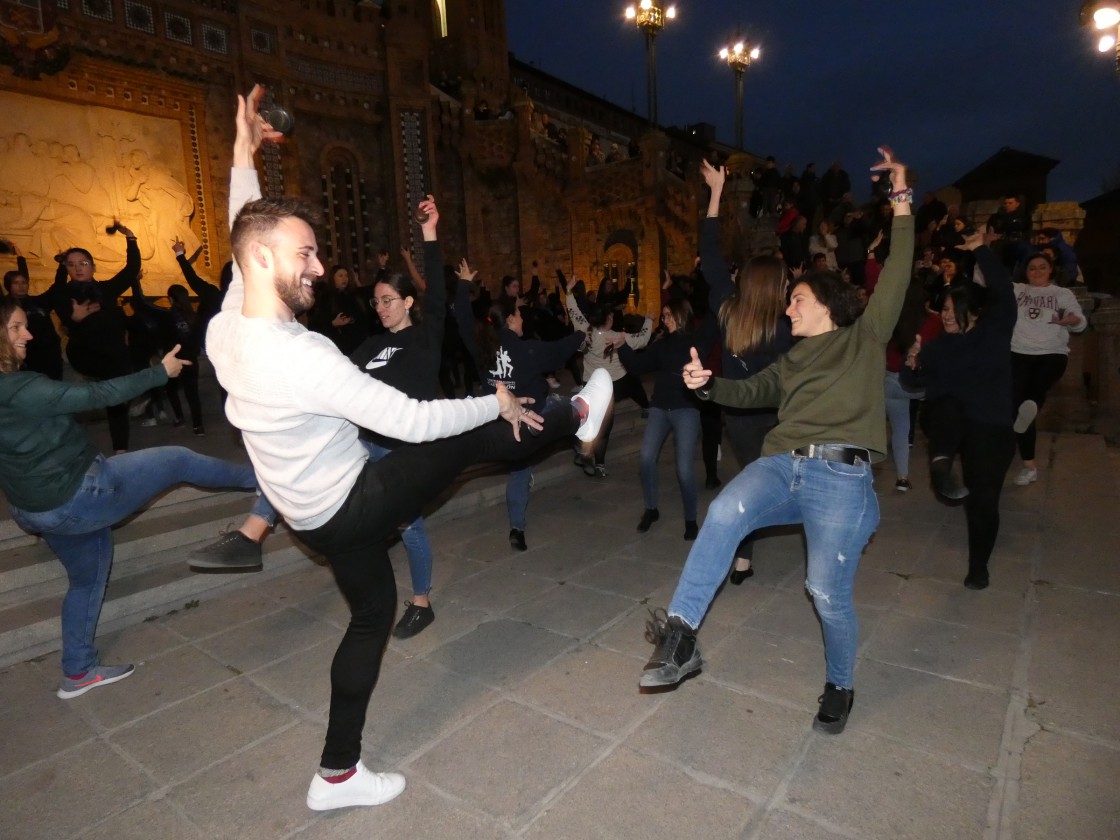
946, 83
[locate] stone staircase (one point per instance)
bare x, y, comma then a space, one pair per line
150, 575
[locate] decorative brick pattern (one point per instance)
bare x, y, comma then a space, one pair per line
139, 16
177, 28
100, 9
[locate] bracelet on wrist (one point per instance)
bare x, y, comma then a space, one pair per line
901, 197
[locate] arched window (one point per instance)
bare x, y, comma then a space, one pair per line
346, 211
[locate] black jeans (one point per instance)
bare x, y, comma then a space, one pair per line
1032, 379
986, 453
387, 493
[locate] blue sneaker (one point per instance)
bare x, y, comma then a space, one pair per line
95, 677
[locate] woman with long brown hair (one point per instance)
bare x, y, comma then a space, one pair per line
755, 332
60, 487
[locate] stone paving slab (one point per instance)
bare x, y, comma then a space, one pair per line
516, 714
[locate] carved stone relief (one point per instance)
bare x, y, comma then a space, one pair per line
68, 170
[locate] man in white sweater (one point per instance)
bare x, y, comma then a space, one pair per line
299, 404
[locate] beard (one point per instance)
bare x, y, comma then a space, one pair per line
295, 295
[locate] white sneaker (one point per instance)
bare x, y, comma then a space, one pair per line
598, 393
1027, 475
1028, 410
363, 788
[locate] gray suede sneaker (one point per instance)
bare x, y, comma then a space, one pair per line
677, 655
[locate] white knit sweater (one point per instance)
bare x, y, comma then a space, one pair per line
299, 402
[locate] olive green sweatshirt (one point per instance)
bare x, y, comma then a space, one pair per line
829, 388
44, 453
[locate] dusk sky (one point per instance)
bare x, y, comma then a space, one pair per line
947, 83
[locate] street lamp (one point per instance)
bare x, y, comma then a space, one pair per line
739, 57
1104, 16
650, 16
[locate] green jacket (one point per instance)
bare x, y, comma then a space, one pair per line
829, 388
44, 453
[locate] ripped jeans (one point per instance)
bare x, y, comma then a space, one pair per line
836, 504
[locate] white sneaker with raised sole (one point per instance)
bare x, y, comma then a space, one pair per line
1027, 475
598, 393
363, 788
1028, 410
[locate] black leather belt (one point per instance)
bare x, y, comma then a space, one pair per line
835, 452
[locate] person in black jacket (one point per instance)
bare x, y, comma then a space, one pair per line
44, 355
967, 376
503, 355
95, 323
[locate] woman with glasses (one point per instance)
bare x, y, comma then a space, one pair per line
407, 356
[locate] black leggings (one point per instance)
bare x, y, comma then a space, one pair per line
1032, 379
986, 454
188, 381
386, 493
746, 433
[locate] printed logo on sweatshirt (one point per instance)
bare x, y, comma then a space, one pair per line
382, 358
503, 365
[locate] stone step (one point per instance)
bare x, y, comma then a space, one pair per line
150, 574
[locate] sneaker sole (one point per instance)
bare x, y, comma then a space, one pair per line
834, 728
63, 694
650, 679
353, 801
1026, 415
205, 569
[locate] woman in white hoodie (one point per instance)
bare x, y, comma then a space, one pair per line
1048, 313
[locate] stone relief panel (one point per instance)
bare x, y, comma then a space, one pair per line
69, 170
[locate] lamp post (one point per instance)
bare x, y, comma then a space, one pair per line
739, 57
650, 16
1104, 16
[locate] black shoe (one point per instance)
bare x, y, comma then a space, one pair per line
231, 553
737, 577
690, 529
836, 703
413, 621
976, 580
517, 539
712, 482
944, 482
648, 518
677, 655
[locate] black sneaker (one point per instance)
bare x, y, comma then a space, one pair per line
944, 482
517, 539
836, 703
231, 553
413, 621
677, 655
976, 580
690, 529
650, 516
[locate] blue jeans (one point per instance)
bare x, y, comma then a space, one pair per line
78, 530
517, 496
898, 414
685, 425
836, 504
414, 537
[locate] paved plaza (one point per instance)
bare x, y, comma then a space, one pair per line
517, 715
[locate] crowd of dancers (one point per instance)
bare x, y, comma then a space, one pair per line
350, 430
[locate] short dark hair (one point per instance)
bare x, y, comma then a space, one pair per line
835, 293
10, 276
66, 255
259, 218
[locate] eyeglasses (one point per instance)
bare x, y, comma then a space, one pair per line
384, 302
79, 264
